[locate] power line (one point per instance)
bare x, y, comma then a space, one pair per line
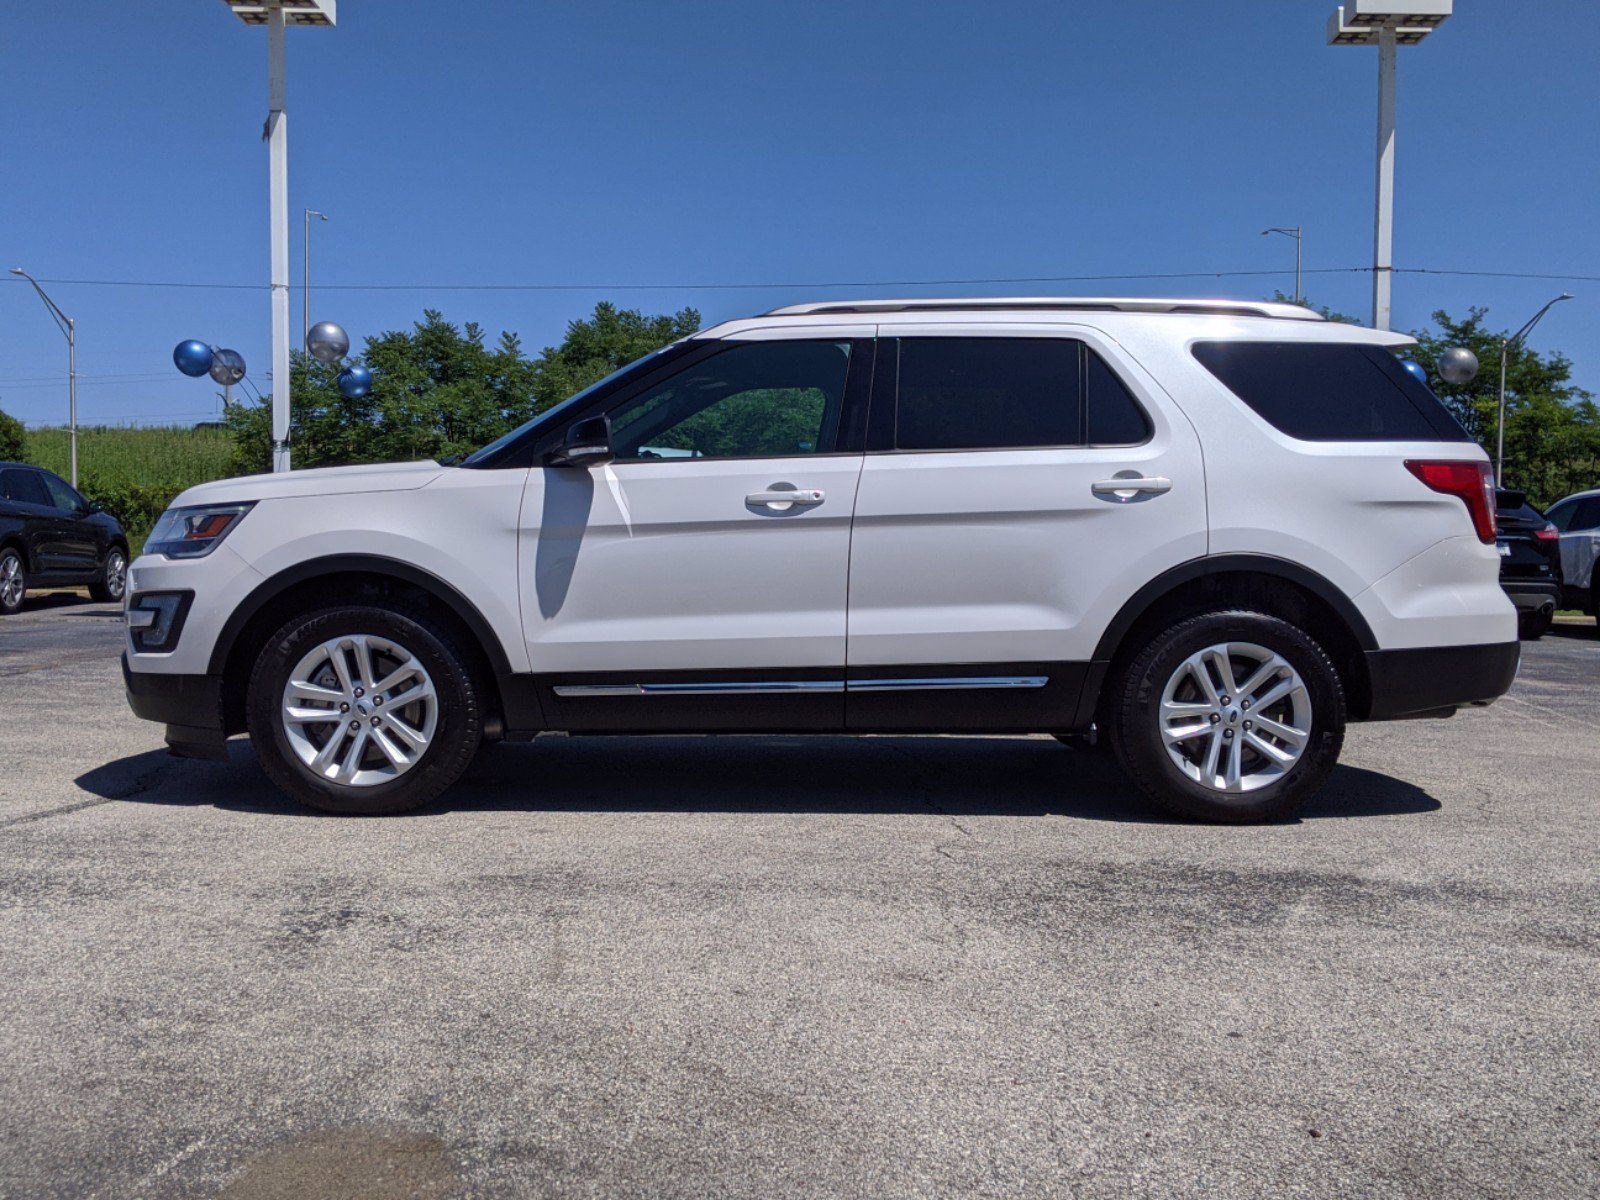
768, 285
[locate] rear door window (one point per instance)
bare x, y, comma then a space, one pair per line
991, 393
1330, 392
24, 487
61, 493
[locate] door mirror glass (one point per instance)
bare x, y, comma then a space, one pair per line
94, 506
587, 444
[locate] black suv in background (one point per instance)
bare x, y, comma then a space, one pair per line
1530, 562
52, 537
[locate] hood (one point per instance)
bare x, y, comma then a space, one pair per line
322, 481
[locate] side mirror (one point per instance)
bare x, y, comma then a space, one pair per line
94, 506
587, 444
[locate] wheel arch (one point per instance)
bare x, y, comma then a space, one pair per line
1273, 585
330, 579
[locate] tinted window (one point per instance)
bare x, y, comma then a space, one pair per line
61, 493
756, 400
25, 487
1561, 514
1322, 392
1115, 418
988, 393
1586, 515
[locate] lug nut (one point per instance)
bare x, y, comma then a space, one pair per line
343, 707
1215, 718
377, 700
1247, 725
355, 724
376, 721
1246, 704
1224, 700
359, 693
1227, 735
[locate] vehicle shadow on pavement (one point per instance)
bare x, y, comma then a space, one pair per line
966, 776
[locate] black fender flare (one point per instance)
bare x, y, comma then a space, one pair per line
1198, 568
364, 564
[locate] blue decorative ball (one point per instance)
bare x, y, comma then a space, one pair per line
1418, 371
355, 382
192, 358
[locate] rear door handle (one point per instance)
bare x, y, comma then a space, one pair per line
1129, 486
783, 499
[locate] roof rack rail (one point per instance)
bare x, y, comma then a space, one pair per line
1233, 308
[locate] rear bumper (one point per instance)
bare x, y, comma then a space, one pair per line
1533, 595
1433, 679
189, 705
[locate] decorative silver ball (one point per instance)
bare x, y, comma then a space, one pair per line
227, 367
1458, 365
327, 343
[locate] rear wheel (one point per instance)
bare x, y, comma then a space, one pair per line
364, 710
1229, 716
1533, 626
13, 581
113, 578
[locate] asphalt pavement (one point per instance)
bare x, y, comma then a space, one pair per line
795, 967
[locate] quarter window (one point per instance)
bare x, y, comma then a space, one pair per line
1586, 515
754, 400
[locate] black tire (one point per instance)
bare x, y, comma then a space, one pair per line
1533, 626
110, 583
13, 581
1133, 727
455, 739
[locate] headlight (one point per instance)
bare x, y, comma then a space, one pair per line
194, 532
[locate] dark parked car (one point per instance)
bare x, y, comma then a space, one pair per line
52, 537
1530, 562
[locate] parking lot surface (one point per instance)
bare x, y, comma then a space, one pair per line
786, 966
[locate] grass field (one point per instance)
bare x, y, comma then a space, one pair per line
135, 473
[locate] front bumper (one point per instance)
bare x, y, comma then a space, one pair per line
189, 705
1436, 680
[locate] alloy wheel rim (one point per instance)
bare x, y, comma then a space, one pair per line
11, 581
359, 710
116, 575
1235, 717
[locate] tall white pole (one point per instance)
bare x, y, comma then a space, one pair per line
305, 282
1383, 242
72, 392
278, 153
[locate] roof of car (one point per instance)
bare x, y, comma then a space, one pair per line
1589, 495
1237, 308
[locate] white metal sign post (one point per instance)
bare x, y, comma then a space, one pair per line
277, 15
1385, 24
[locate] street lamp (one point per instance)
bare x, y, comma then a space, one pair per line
1385, 24
277, 15
305, 278
1298, 235
71, 330
1514, 342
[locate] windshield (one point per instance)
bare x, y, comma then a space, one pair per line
487, 454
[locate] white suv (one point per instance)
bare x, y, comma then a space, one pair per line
1207, 532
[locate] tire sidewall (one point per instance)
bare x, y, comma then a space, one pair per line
455, 738
101, 589
1143, 751
22, 573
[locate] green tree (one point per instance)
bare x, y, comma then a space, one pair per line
1552, 426
440, 390
10, 438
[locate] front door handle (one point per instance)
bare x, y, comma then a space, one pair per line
1126, 487
782, 499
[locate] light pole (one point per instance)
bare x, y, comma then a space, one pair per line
1385, 24
70, 329
277, 15
305, 276
1514, 342
1298, 235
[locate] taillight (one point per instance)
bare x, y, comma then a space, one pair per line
1548, 534
1472, 481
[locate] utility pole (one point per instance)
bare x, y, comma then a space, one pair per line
305, 277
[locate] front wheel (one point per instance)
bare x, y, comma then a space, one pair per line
1228, 716
364, 710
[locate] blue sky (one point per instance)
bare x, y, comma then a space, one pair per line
481, 142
